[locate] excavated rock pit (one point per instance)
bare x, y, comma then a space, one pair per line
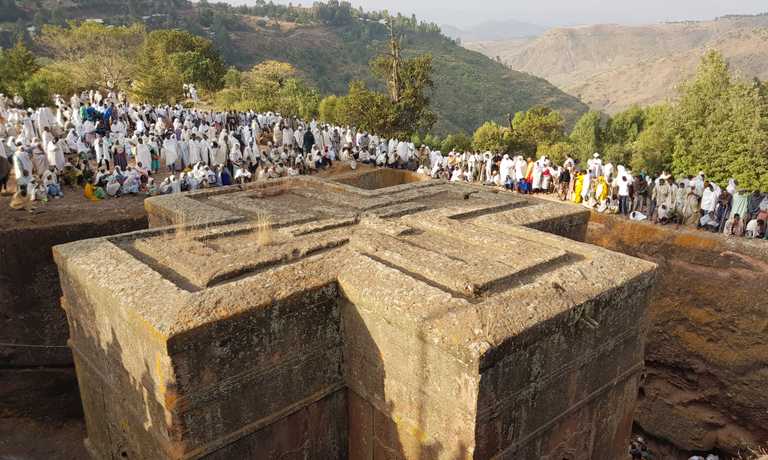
706, 382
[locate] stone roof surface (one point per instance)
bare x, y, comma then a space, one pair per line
474, 253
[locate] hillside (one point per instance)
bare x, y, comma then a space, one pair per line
494, 31
469, 87
611, 67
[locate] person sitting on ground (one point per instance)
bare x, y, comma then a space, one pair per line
663, 215
113, 186
755, 229
709, 222
150, 188
71, 175
51, 183
734, 226
20, 200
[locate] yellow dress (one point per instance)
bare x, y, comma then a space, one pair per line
577, 188
603, 191
89, 193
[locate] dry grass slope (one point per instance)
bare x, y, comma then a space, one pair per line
611, 67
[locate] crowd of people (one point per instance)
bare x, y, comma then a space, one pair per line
110, 148
604, 187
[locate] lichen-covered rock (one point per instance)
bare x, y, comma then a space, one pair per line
706, 385
378, 318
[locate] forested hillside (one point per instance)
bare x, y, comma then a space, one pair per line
330, 44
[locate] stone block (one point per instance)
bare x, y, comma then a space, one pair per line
372, 316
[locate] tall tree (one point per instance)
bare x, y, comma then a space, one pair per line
169, 58
587, 135
269, 86
92, 54
721, 127
327, 109
539, 125
408, 82
17, 65
368, 110
491, 137
652, 150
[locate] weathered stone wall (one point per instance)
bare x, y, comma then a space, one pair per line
37, 378
30, 291
706, 385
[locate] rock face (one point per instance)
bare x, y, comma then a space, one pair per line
374, 316
707, 354
37, 377
30, 294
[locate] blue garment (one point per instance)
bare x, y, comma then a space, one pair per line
107, 115
225, 177
90, 113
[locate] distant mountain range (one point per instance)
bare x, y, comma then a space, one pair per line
611, 67
469, 87
494, 31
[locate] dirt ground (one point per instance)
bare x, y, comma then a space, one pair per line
75, 208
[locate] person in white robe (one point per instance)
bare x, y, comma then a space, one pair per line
505, 168
51, 184
288, 138
595, 165
205, 150
103, 151
39, 158
55, 154
520, 168
488, 168
195, 149
586, 193
143, 155
27, 130
538, 172
113, 186
170, 153
175, 185
218, 153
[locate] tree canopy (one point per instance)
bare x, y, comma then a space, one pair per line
16, 66
269, 86
405, 109
93, 55
169, 58
539, 125
721, 127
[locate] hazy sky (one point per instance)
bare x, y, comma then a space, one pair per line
560, 12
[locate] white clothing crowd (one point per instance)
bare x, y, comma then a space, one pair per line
111, 147
604, 187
